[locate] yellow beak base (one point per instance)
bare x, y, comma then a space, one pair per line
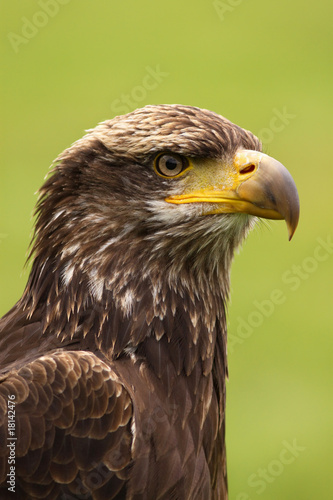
260, 186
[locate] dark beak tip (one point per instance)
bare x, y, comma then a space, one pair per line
291, 234
292, 229
292, 221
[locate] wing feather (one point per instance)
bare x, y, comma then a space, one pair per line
71, 414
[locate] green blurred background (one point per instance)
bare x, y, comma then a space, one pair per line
67, 65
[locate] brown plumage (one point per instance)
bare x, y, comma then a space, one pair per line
115, 356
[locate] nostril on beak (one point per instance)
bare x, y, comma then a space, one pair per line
248, 169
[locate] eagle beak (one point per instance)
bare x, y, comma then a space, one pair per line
254, 184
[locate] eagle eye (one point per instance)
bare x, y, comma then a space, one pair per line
170, 164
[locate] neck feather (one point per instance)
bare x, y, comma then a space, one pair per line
134, 283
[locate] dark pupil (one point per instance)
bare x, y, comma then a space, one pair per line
171, 163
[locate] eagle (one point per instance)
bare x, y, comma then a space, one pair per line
114, 360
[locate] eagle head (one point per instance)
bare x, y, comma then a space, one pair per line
161, 195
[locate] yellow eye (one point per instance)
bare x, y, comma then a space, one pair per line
170, 164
